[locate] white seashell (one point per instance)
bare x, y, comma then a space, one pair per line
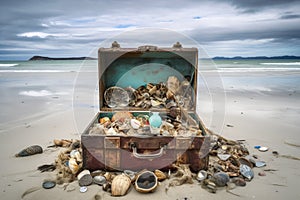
263, 149
135, 124
111, 131
201, 175
260, 163
224, 157
100, 180
246, 171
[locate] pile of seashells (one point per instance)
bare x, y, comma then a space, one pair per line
134, 124
161, 95
230, 165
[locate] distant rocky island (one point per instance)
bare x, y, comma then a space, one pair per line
214, 58
255, 58
67, 58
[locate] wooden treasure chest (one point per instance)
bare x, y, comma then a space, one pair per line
147, 117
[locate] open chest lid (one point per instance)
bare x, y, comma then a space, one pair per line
147, 77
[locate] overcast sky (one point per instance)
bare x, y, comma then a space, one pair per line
61, 28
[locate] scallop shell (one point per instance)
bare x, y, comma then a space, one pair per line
34, 149
120, 185
146, 182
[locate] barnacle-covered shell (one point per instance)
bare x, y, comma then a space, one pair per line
146, 182
120, 185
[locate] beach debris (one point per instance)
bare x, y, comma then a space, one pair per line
238, 181
183, 175
275, 153
160, 175
74, 167
46, 167
209, 185
30, 190
246, 171
107, 187
229, 125
263, 149
83, 189
130, 174
257, 147
223, 157
49, 184
85, 178
261, 173
220, 179
135, 124
99, 180
76, 154
202, 174
29, 151
260, 163
245, 161
146, 182
120, 185
104, 120
121, 116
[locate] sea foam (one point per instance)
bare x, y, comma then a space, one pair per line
8, 65
34, 93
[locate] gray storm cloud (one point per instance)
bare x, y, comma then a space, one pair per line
63, 28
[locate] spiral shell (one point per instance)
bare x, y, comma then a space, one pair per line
120, 185
34, 149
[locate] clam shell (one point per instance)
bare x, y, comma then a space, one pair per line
263, 149
223, 157
221, 179
260, 163
120, 185
49, 184
201, 175
100, 180
146, 182
245, 161
246, 171
34, 149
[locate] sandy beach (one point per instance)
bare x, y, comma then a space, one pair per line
260, 117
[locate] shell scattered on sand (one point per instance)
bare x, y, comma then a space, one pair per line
34, 149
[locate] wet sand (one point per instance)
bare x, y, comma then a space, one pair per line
260, 118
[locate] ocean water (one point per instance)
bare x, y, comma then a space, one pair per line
31, 90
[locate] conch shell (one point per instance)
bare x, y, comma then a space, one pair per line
146, 182
120, 185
